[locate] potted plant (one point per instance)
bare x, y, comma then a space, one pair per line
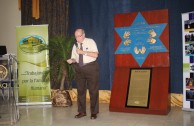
60, 73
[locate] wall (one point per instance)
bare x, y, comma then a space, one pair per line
10, 18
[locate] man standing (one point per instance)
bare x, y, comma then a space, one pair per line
84, 55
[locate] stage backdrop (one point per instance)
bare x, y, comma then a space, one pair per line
33, 61
96, 17
188, 60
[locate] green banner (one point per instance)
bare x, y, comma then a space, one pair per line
33, 61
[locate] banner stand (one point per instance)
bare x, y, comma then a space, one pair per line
188, 60
33, 58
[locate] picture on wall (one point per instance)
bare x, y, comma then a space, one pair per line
189, 38
189, 95
189, 25
190, 83
189, 50
191, 67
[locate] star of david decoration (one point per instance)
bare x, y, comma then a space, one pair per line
140, 39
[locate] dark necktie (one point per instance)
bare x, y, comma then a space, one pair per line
81, 57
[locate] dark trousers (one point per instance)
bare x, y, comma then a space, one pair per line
87, 77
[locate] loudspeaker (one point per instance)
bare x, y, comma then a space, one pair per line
3, 50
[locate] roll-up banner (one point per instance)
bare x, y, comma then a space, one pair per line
188, 60
33, 60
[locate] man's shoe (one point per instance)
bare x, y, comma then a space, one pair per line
79, 115
93, 116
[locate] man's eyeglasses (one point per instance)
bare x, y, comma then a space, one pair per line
78, 36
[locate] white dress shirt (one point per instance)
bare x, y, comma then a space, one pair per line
88, 45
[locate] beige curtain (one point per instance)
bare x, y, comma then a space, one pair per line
35, 9
175, 100
19, 4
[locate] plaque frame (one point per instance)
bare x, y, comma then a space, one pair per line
146, 105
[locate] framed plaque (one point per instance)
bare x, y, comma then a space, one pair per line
4, 69
138, 88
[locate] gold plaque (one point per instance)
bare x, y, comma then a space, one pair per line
3, 72
139, 88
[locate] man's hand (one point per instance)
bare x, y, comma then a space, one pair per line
79, 51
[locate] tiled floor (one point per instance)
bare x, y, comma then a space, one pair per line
46, 115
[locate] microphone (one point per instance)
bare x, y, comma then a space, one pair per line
76, 45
